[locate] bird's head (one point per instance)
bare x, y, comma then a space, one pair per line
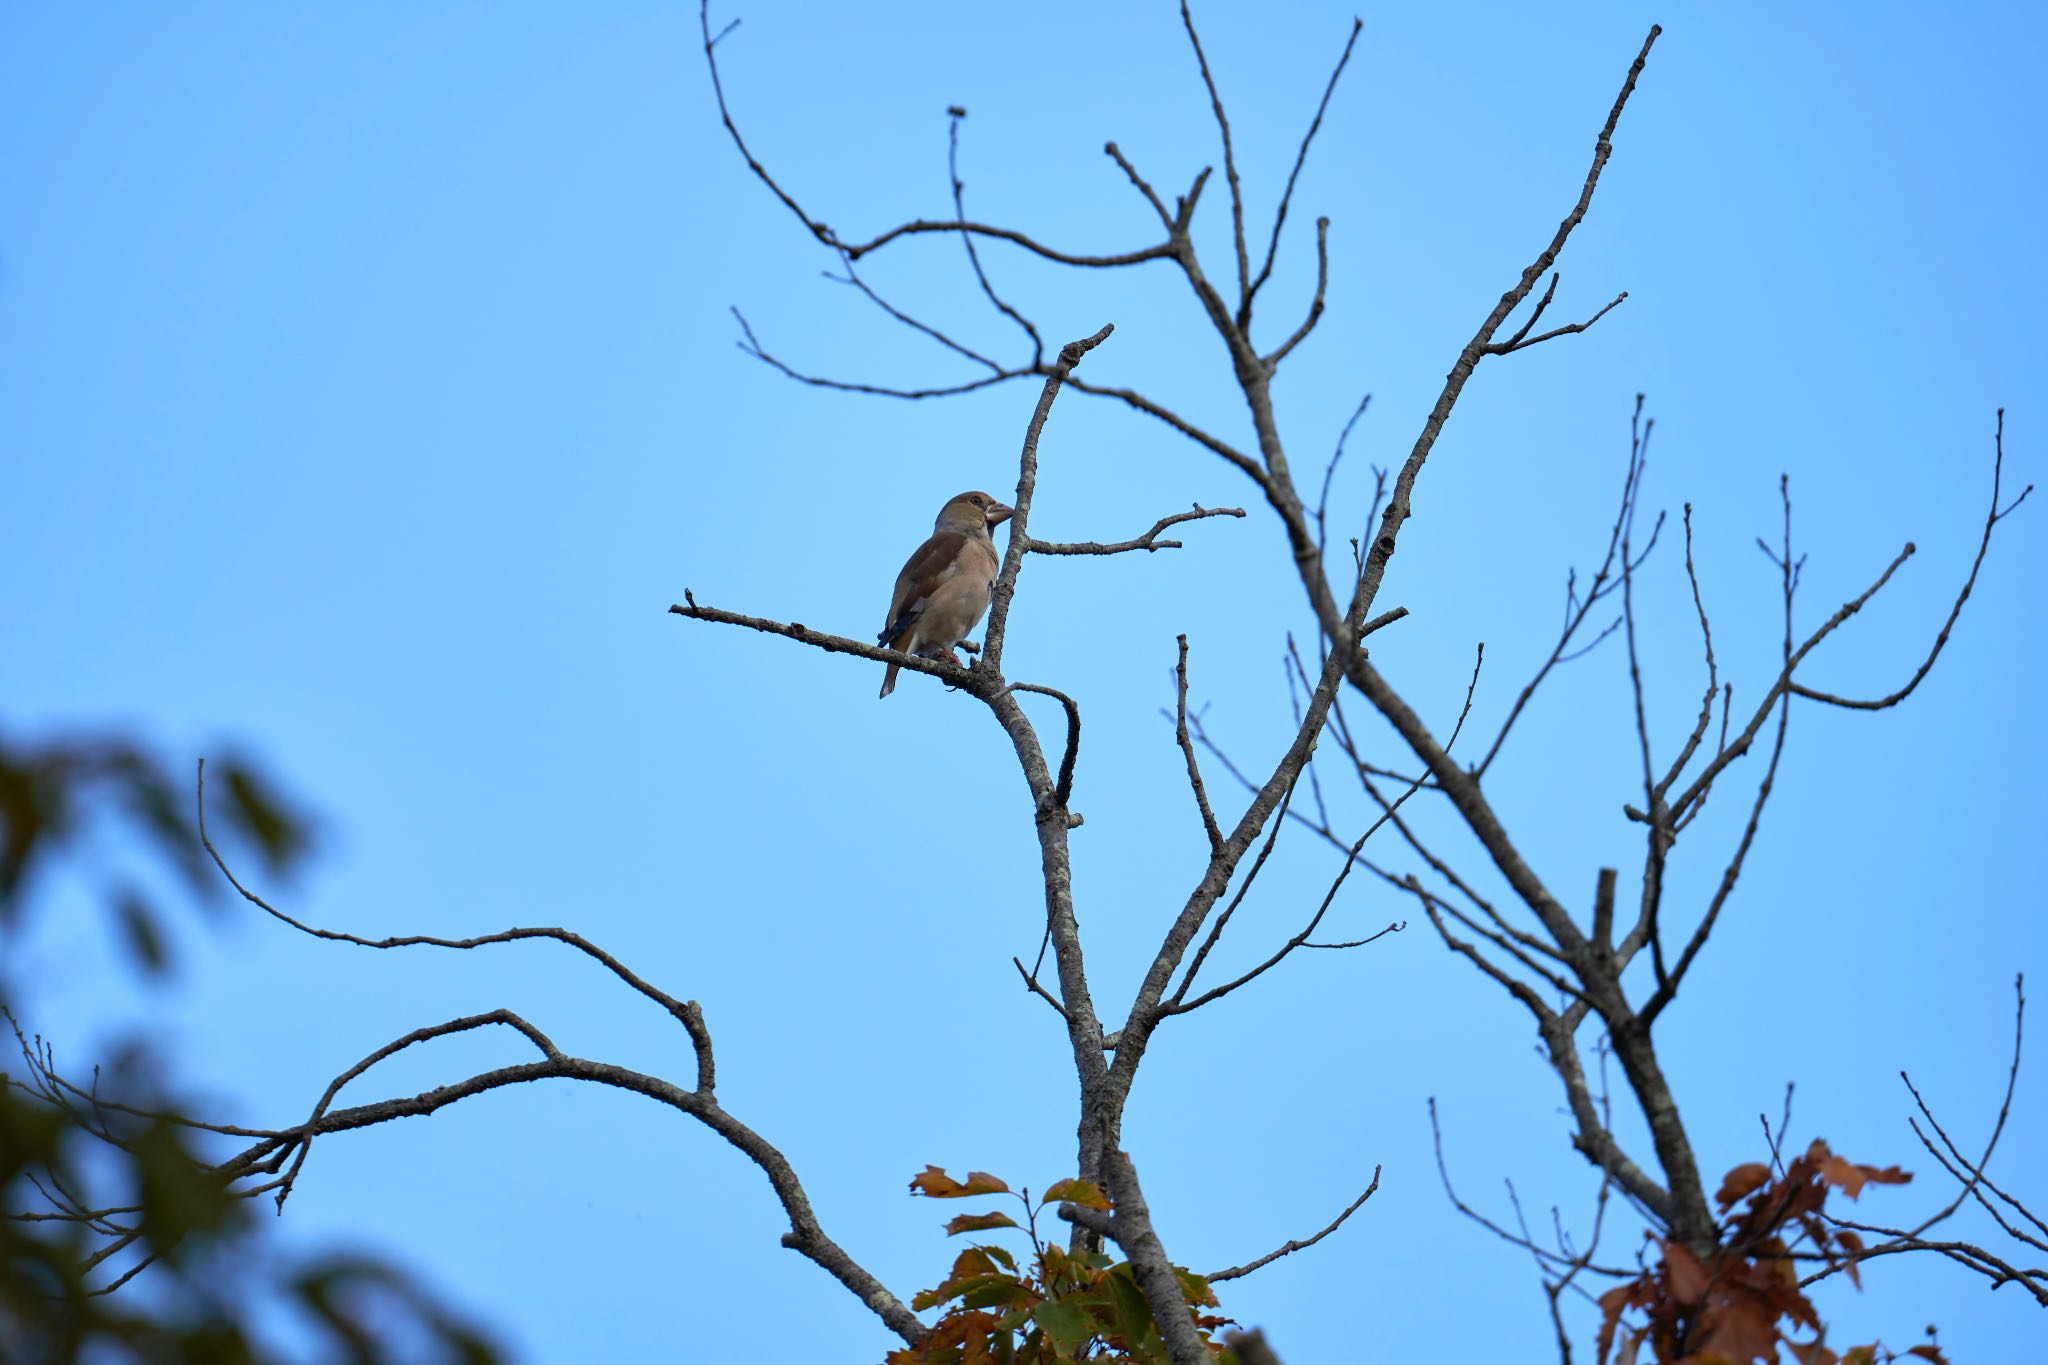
971, 512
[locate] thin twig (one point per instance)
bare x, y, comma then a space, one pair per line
1289, 1248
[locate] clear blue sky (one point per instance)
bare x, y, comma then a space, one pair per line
367, 392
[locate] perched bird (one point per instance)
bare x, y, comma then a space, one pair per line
944, 587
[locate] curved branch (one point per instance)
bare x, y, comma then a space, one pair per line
1983, 544
752, 346
956, 114
1302, 1245
832, 239
1063, 788
805, 1236
1315, 304
922, 225
684, 1012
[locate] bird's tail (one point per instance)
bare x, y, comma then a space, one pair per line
889, 681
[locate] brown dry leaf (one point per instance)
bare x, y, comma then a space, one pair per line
1743, 1180
1688, 1278
1850, 1178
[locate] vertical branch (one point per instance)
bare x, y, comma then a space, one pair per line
1244, 267
1187, 748
1399, 507
955, 114
1027, 487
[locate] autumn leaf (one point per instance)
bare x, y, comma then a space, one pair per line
934, 1183
1612, 1304
978, 1222
1195, 1289
1688, 1276
1086, 1193
1850, 1178
1743, 1180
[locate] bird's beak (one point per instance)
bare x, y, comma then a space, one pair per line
998, 514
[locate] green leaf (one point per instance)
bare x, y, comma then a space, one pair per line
180, 1194
1194, 1288
1086, 1193
139, 932
1133, 1313
1064, 1322
279, 833
990, 1291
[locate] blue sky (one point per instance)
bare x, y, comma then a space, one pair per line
367, 392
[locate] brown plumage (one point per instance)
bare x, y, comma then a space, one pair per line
944, 587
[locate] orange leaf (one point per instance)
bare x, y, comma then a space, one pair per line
1850, 1178
934, 1183
1743, 1180
978, 1222
1612, 1304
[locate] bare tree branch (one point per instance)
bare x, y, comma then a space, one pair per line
1063, 788
955, 115
856, 250
1991, 520
1149, 541
1244, 318
1244, 269
1027, 484
1290, 1247
1180, 736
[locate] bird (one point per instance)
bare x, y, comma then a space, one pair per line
944, 586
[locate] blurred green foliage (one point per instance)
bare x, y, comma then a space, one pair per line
100, 1180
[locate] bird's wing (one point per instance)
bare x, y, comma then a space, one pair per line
935, 561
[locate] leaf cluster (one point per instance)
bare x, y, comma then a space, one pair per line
1057, 1306
1742, 1303
55, 793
